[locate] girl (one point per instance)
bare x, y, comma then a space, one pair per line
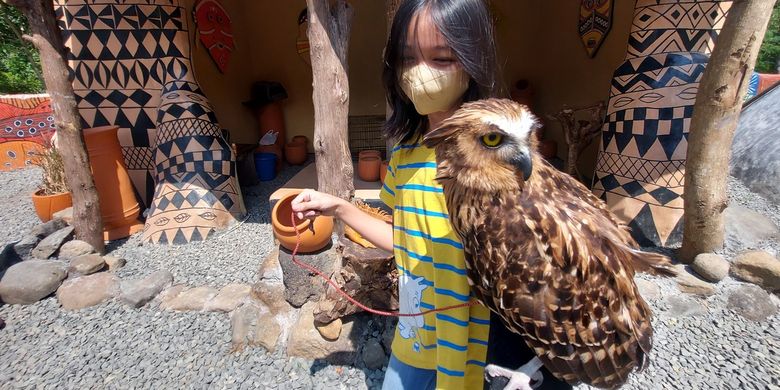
440, 53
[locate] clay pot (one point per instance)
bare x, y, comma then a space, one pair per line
295, 153
548, 148
523, 93
46, 205
275, 149
368, 168
383, 172
315, 234
119, 207
300, 139
370, 152
271, 117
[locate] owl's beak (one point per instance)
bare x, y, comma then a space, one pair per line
522, 162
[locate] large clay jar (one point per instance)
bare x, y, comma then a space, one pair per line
314, 234
368, 168
118, 204
271, 117
295, 153
300, 139
369, 153
46, 205
548, 148
383, 172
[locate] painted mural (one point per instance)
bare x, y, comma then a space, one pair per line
24, 120
132, 68
641, 163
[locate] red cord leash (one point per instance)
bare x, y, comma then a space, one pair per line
353, 300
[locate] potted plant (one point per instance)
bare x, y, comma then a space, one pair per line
53, 194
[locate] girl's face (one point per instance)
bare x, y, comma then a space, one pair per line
426, 44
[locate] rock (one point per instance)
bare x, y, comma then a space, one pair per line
8, 257
170, 293
746, 227
49, 245
25, 246
114, 263
228, 298
389, 332
301, 287
46, 229
87, 291
330, 331
758, 267
86, 264
75, 248
30, 281
136, 293
305, 341
270, 270
647, 289
271, 295
190, 300
252, 324
65, 214
2, 324
373, 354
690, 284
752, 302
681, 306
711, 267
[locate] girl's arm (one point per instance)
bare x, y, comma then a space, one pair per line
311, 203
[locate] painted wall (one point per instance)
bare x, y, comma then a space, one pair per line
537, 40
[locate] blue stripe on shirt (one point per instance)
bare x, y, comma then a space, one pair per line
426, 213
405, 146
444, 291
439, 240
449, 344
450, 319
389, 191
479, 321
449, 372
476, 363
420, 187
427, 164
478, 341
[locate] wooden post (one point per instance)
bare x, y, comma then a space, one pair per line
715, 115
329, 28
47, 38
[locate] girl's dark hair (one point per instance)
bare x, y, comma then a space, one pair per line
467, 27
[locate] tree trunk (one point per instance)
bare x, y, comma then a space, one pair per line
46, 36
715, 115
329, 28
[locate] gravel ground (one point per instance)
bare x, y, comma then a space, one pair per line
112, 346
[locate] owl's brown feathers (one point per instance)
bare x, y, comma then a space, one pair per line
543, 253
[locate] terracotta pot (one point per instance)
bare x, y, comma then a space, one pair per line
300, 139
313, 237
118, 204
46, 205
271, 117
275, 149
368, 168
295, 153
367, 153
523, 93
383, 172
548, 148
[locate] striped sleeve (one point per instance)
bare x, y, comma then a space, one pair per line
387, 192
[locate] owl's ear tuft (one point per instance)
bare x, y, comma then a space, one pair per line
439, 134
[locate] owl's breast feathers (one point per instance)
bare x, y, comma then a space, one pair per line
558, 268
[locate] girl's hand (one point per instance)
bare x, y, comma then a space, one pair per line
310, 203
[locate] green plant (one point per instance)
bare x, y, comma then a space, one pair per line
769, 55
20, 66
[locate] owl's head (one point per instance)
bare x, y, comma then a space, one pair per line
487, 145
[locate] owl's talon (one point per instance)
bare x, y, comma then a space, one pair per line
518, 380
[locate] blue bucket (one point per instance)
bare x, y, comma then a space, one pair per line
265, 166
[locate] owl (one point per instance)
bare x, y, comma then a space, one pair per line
542, 251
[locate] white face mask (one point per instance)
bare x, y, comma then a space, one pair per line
433, 90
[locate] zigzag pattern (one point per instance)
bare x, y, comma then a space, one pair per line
185, 128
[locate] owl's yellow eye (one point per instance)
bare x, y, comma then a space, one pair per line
492, 140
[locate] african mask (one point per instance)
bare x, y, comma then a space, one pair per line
215, 31
595, 22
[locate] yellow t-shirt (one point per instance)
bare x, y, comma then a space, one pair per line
431, 267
